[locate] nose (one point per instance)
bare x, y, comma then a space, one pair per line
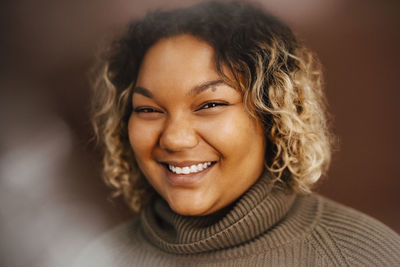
178, 135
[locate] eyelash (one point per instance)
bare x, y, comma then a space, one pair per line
212, 105
146, 110
204, 106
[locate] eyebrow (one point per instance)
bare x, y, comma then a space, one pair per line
194, 91
204, 86
142, 91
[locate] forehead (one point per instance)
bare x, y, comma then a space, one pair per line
180, 60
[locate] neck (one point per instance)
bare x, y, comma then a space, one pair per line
256, 211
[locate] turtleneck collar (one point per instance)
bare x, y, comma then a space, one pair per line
256, 211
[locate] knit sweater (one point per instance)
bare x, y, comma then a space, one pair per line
265, 227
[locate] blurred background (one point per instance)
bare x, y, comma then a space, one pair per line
52, 199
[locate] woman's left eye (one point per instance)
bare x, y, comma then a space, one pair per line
212, 105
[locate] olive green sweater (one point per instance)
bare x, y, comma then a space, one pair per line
265, 227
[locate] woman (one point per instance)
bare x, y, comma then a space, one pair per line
214, 127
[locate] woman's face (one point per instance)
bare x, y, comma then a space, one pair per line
190, 133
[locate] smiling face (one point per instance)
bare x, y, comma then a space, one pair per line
190, 133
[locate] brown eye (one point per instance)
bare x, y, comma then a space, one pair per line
148, 113
212, 105
146, 110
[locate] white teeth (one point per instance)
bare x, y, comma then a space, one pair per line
185, 170
189, 169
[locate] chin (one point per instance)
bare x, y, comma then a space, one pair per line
187, 209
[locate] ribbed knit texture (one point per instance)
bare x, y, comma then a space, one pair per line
265, 227
253, 215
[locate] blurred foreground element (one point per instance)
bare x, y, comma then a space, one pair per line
53, 201
42, 222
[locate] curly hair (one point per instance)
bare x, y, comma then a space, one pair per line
280, 80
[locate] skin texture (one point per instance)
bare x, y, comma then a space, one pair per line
184, 114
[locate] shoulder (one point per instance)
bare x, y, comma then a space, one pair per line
110, 248
353, 238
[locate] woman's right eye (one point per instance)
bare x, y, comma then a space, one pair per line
146, 110
148, 113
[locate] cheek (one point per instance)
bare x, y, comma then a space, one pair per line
235, 133
142, 137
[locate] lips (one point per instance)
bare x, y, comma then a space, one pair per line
194, 168
186, 172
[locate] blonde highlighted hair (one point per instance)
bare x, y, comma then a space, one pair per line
280, 80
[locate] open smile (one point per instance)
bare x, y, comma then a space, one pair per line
187, 172
194, 168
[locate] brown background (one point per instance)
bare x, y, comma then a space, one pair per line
52, 198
